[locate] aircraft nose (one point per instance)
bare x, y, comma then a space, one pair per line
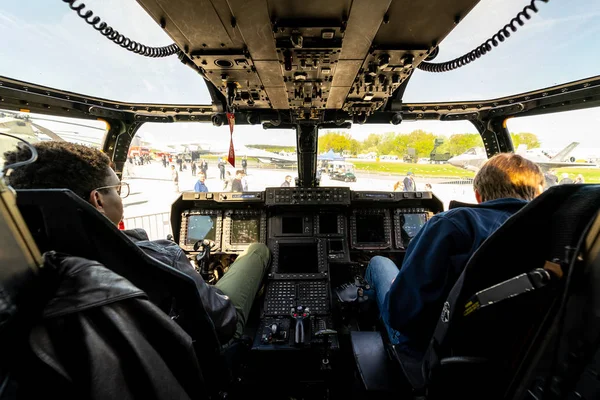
455, 162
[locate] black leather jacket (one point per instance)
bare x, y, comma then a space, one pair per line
100, 338
217, 305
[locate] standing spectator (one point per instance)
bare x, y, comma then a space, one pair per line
245, 165
551, 178
221, 166
200, 185
227, 182
244, 182
565, 179
409, 182
287, 182
236, 184
175, 177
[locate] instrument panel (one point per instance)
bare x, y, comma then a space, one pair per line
316, 236
342, 220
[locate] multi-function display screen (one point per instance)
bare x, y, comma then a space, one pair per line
410, 225
370, 228
245, 229
200, 227
328, 223
336, 245
291, 225
298, 258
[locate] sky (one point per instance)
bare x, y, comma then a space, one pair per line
44, 42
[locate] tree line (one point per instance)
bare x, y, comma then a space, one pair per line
397, 144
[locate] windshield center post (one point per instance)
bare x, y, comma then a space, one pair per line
307, 137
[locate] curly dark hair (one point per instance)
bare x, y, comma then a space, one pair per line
60, 165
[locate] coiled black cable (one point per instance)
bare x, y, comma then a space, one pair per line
488, 45
118, 38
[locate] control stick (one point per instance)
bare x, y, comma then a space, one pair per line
299, 313
203, 248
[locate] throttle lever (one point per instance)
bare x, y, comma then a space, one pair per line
299, 313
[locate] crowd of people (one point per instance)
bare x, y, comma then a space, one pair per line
552, 178
237, 183
408, 184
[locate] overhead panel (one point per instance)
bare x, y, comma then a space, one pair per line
254, 22
362, 26
421, 24
200, 24
306, 10
309, 55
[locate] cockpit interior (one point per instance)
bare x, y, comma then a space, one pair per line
313, 332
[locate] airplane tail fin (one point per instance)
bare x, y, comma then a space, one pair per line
563, 155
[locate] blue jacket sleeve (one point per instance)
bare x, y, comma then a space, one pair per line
422, 285
197, 187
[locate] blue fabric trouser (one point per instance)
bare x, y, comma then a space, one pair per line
380, 274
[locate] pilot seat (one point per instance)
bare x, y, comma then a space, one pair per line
61, 221
500, 309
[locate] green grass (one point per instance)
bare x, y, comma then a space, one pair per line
424, 170
590, 174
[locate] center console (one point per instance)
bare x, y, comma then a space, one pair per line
297, 301
304, 240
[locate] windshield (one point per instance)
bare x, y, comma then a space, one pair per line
35, 128
50, 45
540, 54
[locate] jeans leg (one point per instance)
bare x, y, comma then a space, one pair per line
243, 279
380, 274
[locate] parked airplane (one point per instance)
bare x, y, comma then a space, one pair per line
24, 127
263, 156
267, 157
474, 158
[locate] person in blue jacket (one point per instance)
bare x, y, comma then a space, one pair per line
200, 186
411, 298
